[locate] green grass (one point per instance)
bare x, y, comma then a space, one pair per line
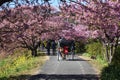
16, 65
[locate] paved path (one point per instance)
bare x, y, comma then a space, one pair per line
77, 69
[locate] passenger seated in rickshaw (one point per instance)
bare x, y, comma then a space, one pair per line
65, 47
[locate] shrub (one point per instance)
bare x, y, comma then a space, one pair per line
79, 47
94, 49
116, 57
112, 72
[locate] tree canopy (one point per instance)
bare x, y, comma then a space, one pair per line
31, 21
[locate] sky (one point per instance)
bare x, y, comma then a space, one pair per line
52, 2
55, 3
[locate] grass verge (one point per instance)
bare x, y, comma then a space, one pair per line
16, 67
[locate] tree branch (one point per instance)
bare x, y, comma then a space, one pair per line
4, 1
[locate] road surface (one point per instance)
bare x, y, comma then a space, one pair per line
77, 69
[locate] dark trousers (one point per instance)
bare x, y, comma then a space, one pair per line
53, 51
48, 51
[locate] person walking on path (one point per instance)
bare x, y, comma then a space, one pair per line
53, 46
59, 49
73, 49
42, 46
48, 45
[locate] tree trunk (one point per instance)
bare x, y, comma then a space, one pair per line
110, 53
34, 52
106, 53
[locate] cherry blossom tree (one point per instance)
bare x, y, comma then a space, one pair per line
56, 24
102, 17
23, 26
27, 25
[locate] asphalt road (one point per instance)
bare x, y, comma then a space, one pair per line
77, 69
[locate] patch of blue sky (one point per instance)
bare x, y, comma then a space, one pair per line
84, 3
12, 5
55, 3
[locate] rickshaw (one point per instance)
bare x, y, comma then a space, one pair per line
66, 48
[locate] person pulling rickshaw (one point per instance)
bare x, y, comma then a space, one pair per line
65, 47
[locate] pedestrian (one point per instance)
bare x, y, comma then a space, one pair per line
53, 46
48, 45
59, 49
73, 49
42, 46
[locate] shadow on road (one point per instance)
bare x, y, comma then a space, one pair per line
53, 77
64, 77
76, 60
